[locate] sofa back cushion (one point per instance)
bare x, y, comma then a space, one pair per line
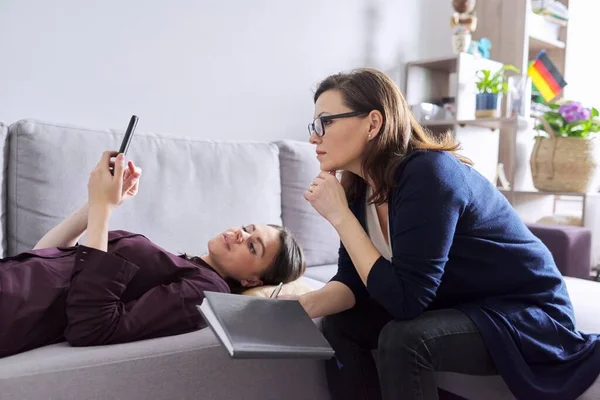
3, 199
299, 167
190, 190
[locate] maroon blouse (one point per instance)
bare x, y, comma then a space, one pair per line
136, 290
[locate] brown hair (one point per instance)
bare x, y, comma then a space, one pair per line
368, 89
289, 263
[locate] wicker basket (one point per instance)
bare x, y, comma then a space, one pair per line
565, 164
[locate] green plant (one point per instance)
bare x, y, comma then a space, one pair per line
570, 119
494, 83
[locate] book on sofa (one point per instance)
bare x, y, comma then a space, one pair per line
256, 327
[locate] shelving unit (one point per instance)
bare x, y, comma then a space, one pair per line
517, 36
438, 64
489, 123
537, 44
431, 80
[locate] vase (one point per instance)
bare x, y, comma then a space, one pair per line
461, 41
518, 98
566, 164
487, 105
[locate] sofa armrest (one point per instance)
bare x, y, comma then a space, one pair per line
570, 246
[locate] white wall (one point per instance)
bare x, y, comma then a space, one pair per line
435, 34
581, 70
216, 69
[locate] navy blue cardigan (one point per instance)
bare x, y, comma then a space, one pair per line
458, 243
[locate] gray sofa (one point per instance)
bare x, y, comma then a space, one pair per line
191, 190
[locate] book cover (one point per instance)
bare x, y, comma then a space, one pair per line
256, 327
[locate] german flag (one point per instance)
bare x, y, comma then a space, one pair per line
546, 78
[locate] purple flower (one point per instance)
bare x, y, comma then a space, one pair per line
574, 111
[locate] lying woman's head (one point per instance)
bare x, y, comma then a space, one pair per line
254, 255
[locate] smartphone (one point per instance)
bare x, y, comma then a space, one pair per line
128, 134
127, 139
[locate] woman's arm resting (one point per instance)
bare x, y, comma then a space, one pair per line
68, 232
358, 245
332, 298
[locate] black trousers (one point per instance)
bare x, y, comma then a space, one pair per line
408, 352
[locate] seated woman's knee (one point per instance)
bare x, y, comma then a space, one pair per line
402, 336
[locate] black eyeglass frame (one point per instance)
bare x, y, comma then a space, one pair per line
325, 118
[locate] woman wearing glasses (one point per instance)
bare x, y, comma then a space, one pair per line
436, 269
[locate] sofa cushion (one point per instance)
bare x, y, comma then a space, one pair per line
322, 273
585, 296
3, 199
299, 167
313, 283
189, 366
190, 189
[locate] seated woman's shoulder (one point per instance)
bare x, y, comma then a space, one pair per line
430, 163
431, 157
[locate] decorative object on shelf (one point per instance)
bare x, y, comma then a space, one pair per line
547, 20
464, 14
518, 97
430, 112
567, 157
449, 104
491, 87
481, 48
461, 40
463, 23
501, 177
546, 77
541, 28
552, 10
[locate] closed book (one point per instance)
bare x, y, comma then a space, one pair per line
257, 327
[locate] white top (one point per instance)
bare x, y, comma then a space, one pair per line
374, 229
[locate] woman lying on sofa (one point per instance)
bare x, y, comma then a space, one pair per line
119, 286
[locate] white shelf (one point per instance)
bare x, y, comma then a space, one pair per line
491, 123
544, 34
538, 43
447, 64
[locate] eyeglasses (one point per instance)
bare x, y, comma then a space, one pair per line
318, 125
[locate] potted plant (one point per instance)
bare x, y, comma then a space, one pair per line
566, 154
490, 88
